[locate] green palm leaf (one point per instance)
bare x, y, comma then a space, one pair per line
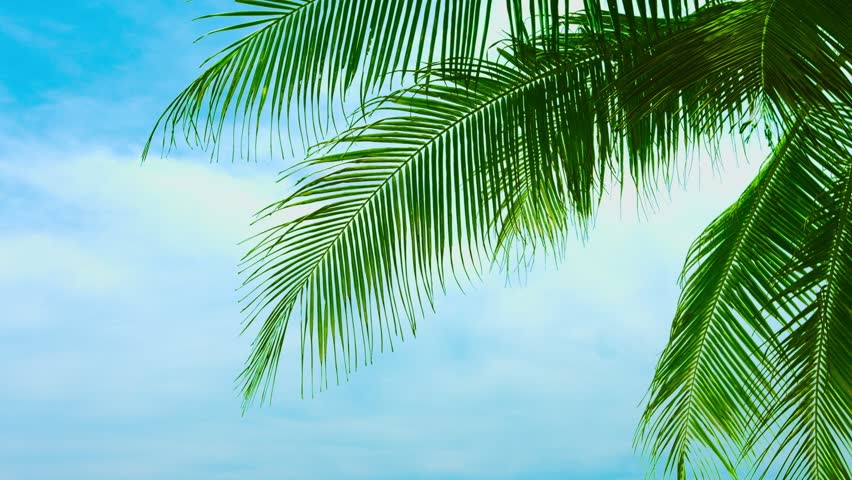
475, 158
810, 423
745, 63
708, 385
546, 18
481, 160
303, 53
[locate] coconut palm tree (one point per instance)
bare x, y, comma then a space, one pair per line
455, 156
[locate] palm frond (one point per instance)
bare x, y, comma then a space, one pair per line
546, 19
481, 159
711, 380
810, 424
303, 54
669, 10
475, 157
746, 63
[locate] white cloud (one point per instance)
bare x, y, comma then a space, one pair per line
173, 196
42, 260
130, 340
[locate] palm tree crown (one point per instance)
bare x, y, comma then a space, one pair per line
459, 156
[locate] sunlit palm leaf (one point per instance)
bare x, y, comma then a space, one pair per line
455, 167
302, 54
482, 158
744, 63
708, 386
810, 425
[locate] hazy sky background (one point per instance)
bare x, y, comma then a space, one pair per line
119, 327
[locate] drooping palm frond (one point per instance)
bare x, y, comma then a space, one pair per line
483, 158
403, 197
649, 142
537, 219
809, 425
742, 63
303, 54
477, 156
710, 381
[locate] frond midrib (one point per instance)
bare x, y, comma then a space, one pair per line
763, 46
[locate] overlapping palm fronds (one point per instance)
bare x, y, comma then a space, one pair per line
749, 63
445, 178
480, 157
718, 374
807, 425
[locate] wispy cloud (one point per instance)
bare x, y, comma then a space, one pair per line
122, 339
27, 37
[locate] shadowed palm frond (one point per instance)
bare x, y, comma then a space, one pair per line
303, 54
746, 63
545, 20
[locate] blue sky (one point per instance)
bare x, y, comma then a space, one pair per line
119, 332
